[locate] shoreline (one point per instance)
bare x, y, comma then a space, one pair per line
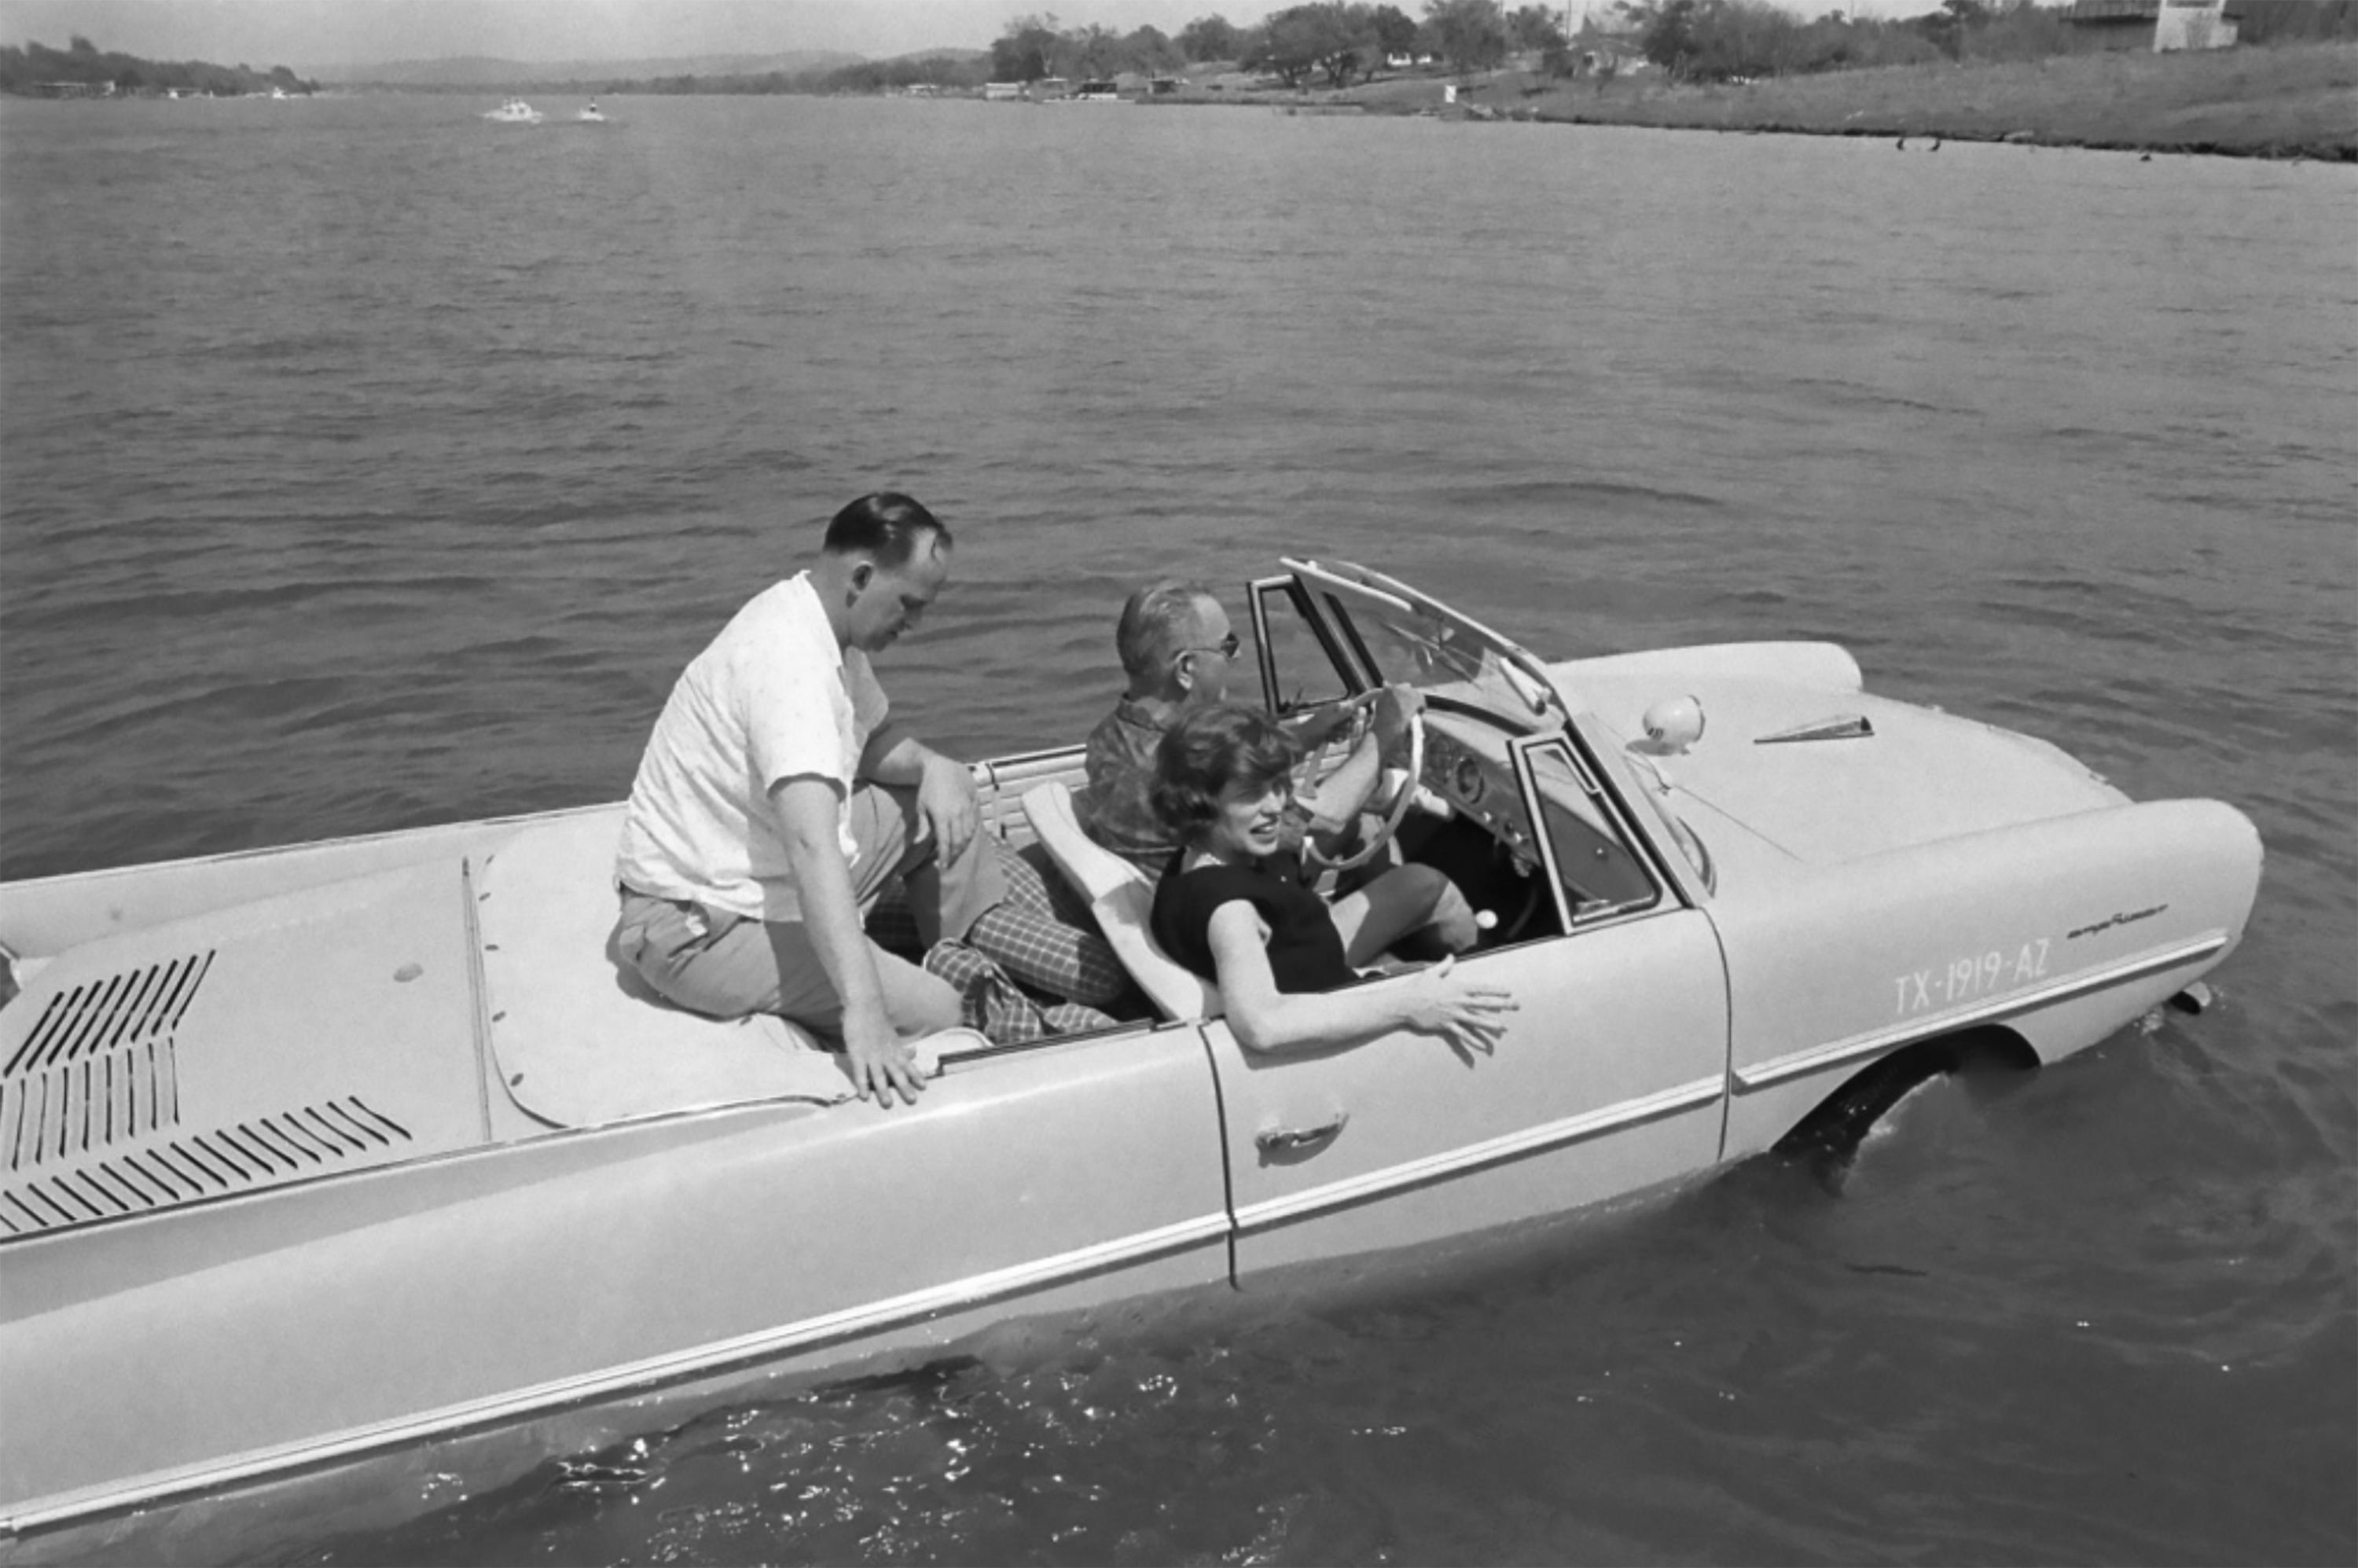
2295, 151
2286, 100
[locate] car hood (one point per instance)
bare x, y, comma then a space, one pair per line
1828, 775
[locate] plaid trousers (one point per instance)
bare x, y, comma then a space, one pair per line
1042, 938
1005, 1012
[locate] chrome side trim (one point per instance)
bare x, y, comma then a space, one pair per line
1472, 1157
897, 1312
1793, 1065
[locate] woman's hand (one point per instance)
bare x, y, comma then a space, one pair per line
1468, 1014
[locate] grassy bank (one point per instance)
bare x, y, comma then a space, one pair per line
2273, 101
2290, 101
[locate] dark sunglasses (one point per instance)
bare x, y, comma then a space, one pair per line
1229, 647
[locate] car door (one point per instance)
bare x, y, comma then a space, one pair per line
1611, 1076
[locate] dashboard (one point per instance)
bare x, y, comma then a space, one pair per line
1466, 765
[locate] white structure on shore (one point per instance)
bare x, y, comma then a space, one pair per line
2163, 25
2193, 24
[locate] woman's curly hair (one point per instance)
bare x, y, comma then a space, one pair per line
1210, 751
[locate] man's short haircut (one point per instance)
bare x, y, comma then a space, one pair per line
1205, 754
886, 526
1156, 622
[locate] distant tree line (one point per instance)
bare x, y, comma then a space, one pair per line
1720, 40
1703, 40
1333, 41
38, 69
1690, 39
1339, 42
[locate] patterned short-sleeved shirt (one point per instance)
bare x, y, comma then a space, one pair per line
1116, 807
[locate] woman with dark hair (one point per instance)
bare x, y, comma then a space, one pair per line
1232, 907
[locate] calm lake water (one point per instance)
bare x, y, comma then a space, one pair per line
369, 465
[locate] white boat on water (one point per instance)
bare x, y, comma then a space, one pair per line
366, 1161
592, 115
514, 112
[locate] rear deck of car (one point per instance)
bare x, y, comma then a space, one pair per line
215, 1026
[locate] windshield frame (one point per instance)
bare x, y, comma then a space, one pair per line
1519, 694
1505, 677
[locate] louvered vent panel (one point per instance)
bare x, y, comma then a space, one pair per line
261, 1152
98, 1066
116, 1011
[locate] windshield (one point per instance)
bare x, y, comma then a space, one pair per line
1406, 636
1409, 638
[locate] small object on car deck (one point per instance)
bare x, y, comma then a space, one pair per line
1673, 724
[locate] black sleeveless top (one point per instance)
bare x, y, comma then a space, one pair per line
1306, 951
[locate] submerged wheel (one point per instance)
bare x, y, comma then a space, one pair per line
1843, 1119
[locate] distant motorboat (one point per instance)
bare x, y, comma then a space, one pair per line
591, 116
515, 112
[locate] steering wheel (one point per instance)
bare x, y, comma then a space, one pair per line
1402, 799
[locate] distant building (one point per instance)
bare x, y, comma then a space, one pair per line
2163, 25
2196, 25
1612, 59
1597, 52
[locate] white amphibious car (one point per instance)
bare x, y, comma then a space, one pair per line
313, 1153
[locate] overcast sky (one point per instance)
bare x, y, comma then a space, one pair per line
305, 33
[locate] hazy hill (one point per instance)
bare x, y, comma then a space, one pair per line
477, 70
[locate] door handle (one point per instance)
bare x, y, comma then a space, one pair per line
1287, 1140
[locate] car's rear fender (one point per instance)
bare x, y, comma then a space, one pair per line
220, 1342
2062, 930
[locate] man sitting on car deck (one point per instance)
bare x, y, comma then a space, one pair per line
775, 803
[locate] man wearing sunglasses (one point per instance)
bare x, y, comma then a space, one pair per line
1178, 651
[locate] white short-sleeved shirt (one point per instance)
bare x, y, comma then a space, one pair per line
772, 697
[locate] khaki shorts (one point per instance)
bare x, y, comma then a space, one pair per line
727, 966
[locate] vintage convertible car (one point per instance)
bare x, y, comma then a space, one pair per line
316, 1153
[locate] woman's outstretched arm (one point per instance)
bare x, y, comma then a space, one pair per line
1467, 1014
